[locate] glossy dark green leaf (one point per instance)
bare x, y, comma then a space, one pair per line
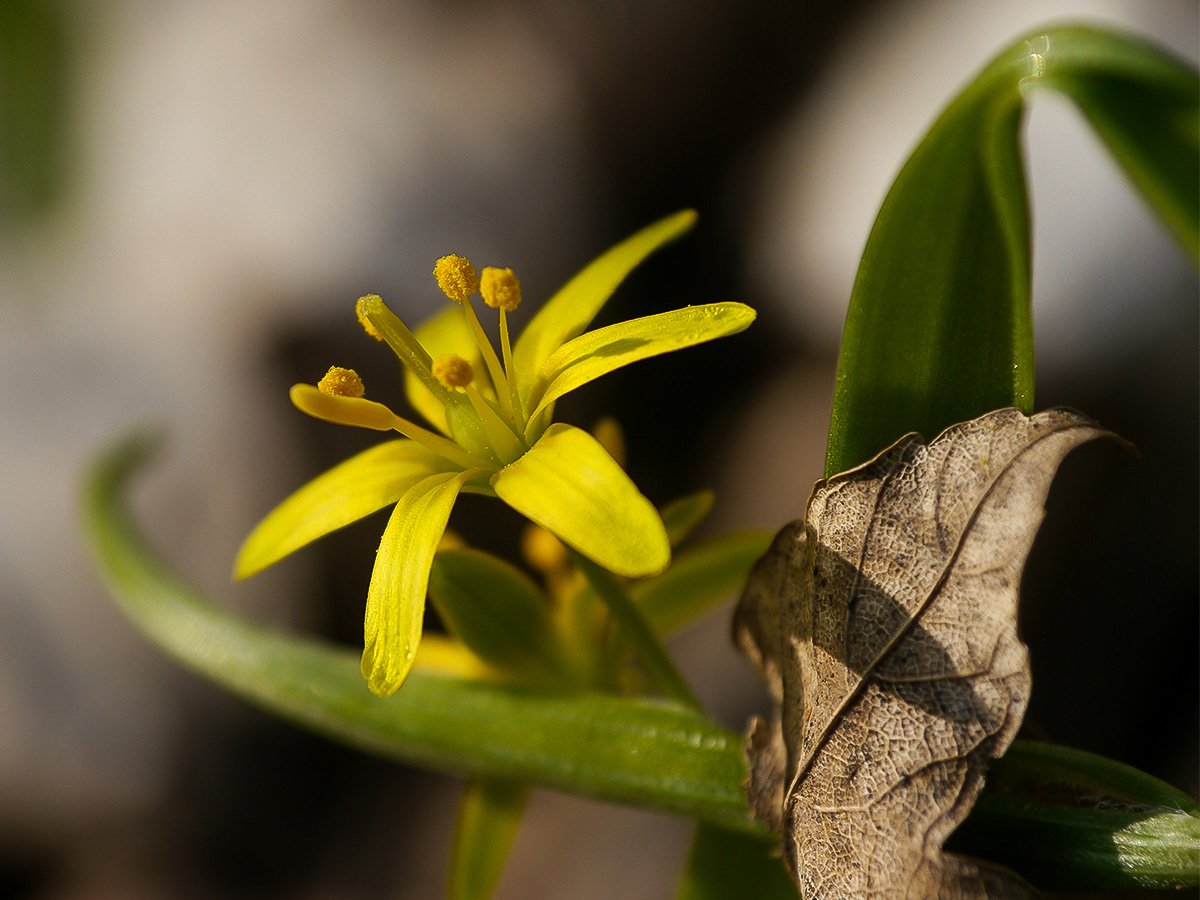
1070, 820
939, 328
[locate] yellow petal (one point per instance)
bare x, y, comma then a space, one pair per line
568, 484
396, 597
572, 309
344, 494
599, 352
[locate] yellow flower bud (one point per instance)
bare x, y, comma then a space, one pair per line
500, 288
456, 277
543, 550
341, 382
452, 371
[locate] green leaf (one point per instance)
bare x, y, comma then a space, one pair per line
571, 310
568, 484
346, 493
37, 45
499, 613
1145, 106
698, 579
939, 328
643, 752
725, 864
1070, 820
488, 819
639, 751
396, 596
604, 350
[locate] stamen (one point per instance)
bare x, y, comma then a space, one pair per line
402, 341
509, 375
505, 444
341, 383
500, 288
342, 409
495, 369
363, 413
362, 317
453, 371
456, 277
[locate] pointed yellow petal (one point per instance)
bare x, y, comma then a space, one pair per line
396, 597
340, 409
568, 484
572, 309
599, 352
347, 492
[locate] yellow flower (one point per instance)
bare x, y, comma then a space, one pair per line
494, 435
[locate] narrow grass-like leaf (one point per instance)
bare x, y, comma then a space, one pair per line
939, 328
638, 751
1070, 820
681, 517
698, 579
489, 817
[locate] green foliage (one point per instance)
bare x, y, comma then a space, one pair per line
939, 328
938, 332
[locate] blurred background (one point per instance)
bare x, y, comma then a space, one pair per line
192, 196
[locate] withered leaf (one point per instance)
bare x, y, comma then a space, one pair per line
885, 625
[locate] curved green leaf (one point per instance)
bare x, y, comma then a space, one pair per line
572, 309
698, 579
643, 752
939, 328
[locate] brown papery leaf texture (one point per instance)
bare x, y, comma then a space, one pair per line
885, 623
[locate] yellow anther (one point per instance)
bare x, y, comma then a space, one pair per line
456, 277
452, 371
341, 382
500, 288
543, 550
362, 317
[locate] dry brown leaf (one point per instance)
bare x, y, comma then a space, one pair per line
885, 624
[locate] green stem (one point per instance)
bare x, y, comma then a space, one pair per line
637, 631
